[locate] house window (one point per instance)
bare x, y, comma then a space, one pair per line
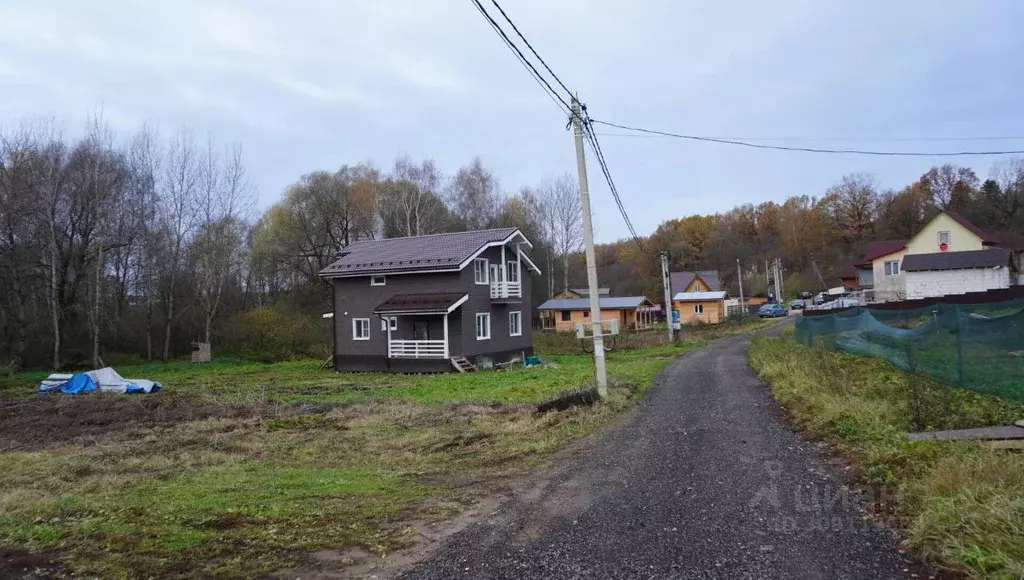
378, 280
360, 329
892, 267
586, 314
566, 316
512, 272
483, 326
698, 308
515, 323
393, 320
944, 238
480, 267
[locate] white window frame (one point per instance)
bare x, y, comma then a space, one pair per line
482, 266
892, 267
939, 236
512, 267
355, 328
698, 309
393, 320
486, 317
517, 328
374, 280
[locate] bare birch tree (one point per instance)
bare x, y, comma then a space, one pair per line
564, 217
182, 184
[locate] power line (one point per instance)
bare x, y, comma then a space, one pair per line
805, 149
545, 85
831, 139
530, 46
588, 132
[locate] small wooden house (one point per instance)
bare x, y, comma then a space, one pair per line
563, 314
700, 307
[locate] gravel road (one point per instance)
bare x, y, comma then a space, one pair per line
702, 480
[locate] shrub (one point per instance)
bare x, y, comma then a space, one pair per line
268, 334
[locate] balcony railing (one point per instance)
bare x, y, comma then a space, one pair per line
417, 349
506, 290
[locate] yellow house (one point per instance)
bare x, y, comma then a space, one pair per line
954, 231
563, 315
949, 255
700, 307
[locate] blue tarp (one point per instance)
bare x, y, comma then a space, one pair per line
105, 379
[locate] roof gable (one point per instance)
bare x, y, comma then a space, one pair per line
681, 280
985, 237
436, 252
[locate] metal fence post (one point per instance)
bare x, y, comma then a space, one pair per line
959, 347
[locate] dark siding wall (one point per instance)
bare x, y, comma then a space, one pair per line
480, 301
355, 298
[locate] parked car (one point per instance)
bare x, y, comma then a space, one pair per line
796, 305
772, 310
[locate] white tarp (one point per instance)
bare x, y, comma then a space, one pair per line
105, 379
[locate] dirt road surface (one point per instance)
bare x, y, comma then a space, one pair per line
702, 480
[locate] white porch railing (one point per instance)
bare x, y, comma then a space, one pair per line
506, 290
417, 349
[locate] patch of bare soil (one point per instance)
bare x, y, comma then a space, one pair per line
47, 420
22, 565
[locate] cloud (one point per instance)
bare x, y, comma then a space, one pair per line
313, 84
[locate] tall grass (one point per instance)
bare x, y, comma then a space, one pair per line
961, 503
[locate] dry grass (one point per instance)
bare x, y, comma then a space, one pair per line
962, 504
240, 484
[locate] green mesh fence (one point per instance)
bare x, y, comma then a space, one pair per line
974, 346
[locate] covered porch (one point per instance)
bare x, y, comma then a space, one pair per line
420, 326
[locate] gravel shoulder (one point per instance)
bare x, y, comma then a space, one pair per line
702, 480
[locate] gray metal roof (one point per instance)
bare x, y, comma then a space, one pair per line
696, 296
988, 258
412, 254
584, 303
436, 302
680, 280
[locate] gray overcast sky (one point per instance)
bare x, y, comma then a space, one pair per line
313, 84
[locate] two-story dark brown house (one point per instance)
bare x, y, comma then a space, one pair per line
417, 304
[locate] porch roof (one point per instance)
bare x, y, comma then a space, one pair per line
426, 303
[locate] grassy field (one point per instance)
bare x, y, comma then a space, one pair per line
961, 504
239, 469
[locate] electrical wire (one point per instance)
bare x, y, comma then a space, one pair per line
530, 46
545, 85
595, 145
832, 139
805, 149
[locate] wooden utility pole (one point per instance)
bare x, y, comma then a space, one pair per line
666, 283
739, 277
588, 240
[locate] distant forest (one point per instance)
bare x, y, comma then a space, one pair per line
116, 251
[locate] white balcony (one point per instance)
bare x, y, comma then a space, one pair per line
417, 349
501, 290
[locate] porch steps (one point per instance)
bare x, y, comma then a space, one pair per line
462, 365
